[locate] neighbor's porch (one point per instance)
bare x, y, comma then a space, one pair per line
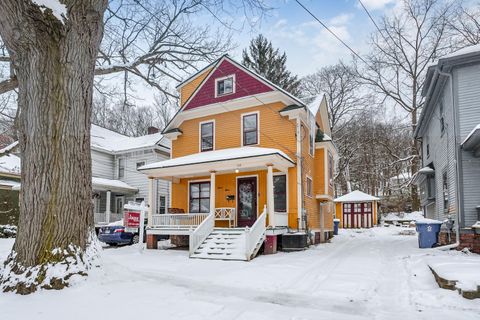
232, 186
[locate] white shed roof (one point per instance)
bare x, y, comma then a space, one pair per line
356, 196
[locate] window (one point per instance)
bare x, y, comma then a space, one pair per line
445, 191
162, 204
309, 187
428, 150
250, 129
330, 168
199, 197
119, 203
139, 200
224, 86
442, 119
121, 168
139, 164
280, 193
206, 136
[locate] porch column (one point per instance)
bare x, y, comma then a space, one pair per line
150, 201
212, 192
107, 209
270, 203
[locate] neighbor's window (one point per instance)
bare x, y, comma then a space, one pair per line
445, 191
250, 129
225, 86
442, 118
206, 133
162, 204
140, 164
309, 187
280, 193
330, 168
199, 197
121, 168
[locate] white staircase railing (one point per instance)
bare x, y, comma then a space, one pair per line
254, 234
201, 233
178, 221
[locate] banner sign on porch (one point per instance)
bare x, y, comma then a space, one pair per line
131, 219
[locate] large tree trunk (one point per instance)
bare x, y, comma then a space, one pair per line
54, 63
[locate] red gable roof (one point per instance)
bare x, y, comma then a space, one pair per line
245, 85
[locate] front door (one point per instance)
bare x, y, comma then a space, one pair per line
247, 201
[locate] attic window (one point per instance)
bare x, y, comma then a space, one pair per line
224, 86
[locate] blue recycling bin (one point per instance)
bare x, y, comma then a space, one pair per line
336, 222
428, 231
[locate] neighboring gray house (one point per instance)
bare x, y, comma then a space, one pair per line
115, 179
449, 131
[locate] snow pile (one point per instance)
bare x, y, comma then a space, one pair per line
464, 269
403, 216
8, 231
116, 223
9, 147
10, 163
59, 10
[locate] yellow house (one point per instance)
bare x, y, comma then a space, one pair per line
356, 210
249, 162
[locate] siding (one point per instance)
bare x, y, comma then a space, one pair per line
468, 101
102, 165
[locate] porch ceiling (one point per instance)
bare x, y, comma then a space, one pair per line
220, 161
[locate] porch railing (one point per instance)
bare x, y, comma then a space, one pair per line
178, 221
100, 218
255, 234
201, 233
226, 214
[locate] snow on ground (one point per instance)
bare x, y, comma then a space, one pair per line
365, 274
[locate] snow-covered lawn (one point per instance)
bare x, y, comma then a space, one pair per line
366, 274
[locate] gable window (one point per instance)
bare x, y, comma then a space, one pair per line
309, 187
139, 164
280, 193
121, 168
330, 168
445, 191
206, 136
250, 129
199, 201
224, 86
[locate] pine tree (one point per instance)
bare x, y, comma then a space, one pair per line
262, 58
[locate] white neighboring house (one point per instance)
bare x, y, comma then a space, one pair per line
115, 179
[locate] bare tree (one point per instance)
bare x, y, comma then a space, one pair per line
403, 47
464, 25
342, 89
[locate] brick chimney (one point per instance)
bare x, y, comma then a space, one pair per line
152, 130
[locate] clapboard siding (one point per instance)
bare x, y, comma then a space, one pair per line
468, 80
102, 165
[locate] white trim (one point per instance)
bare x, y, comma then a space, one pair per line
137, 161
236, 192
307, 177
258, 128
224, 78
200, 134
124, 158
188, 190
280, 173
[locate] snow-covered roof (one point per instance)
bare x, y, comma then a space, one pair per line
426, 170
10, 163
9, 147
15, 185
112, 141
402, 176
356, 196
474, 131
315, 104
461, 52
101, 183
216, 155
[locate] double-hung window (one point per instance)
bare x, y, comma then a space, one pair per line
280, 193
225, 86
199, 197
309, 187
207, 136
121, 168
330, 168
250, 129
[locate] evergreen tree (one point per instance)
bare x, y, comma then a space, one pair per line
262, 58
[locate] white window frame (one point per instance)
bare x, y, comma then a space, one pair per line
258, 127
221, 79
188, 191
286, 188
200, 134
124, 167
308, 178
166, 203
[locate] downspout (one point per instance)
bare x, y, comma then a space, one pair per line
299, 175
457, 167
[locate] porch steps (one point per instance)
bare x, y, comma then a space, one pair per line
225, 244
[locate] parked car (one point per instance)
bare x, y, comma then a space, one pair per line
116, 235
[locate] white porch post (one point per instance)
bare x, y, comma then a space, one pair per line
212, 192
107, 209
150, 201
270, 203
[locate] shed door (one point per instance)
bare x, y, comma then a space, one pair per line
357, 215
